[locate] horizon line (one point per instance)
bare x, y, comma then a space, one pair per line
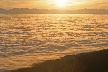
57, 9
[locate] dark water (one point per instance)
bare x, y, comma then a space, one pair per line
31, 38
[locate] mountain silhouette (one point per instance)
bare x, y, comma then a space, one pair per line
52, 11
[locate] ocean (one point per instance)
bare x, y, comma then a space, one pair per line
26, 39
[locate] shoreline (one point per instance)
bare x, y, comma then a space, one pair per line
96, 61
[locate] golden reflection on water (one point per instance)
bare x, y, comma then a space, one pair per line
23, 35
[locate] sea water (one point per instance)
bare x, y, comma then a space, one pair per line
32, 38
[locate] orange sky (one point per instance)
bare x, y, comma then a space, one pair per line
50, 4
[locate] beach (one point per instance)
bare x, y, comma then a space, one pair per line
96, 61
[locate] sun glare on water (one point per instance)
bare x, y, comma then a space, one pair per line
60, 3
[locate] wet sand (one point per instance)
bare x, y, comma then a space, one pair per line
85, 62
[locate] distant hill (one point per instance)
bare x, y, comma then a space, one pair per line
52, 11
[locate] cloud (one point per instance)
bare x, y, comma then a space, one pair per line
50, 3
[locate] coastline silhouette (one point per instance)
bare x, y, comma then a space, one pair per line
52, 11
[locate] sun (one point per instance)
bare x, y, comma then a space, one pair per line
60, 3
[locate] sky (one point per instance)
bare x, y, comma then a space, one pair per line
54, 4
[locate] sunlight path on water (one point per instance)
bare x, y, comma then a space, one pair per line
26, 39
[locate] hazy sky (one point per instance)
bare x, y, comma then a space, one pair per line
52, 4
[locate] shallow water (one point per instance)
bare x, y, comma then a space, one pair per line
31, 38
